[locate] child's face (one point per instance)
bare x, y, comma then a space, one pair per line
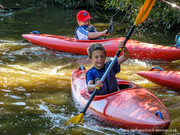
98, 59
87, 22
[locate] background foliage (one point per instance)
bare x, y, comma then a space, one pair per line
163, 17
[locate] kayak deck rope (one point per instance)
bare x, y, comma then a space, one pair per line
35, 32
81, 67
160, 114
177, 46
153, 69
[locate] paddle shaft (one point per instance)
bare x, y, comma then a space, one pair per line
107, 31
108, 69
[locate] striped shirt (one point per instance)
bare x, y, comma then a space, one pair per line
81, 32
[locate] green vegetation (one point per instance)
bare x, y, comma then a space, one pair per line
163, 17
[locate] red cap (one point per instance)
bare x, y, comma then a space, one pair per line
83, 15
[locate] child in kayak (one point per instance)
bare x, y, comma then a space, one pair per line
97, 56
86, 31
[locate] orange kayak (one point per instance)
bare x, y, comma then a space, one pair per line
164, 78
138, 50
132, 107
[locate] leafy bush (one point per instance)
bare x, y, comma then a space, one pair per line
162, 17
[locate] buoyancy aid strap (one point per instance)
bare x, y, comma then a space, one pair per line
177, 39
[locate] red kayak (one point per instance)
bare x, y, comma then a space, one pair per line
132, 107
165, 78
138, 50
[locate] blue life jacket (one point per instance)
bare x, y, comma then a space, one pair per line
110, 83
177, 39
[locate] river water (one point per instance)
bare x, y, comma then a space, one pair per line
35, 87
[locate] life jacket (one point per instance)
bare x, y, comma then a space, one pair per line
110, 83
89, 29
177, 39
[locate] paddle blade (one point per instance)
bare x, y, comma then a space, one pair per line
111, 25
144, 12
76, 119
110, 28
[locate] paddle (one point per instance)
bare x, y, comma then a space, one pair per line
110, 27
144, 12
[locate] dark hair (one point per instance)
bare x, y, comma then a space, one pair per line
93, 47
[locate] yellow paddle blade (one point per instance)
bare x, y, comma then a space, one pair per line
144, 12
76, 119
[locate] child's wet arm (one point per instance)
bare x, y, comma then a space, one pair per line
91, 86
124, 57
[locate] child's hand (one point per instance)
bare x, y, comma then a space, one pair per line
120, 45
105, 33
98, 83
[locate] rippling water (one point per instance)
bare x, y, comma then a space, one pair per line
35, 88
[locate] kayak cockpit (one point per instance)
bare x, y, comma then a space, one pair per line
122, 84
